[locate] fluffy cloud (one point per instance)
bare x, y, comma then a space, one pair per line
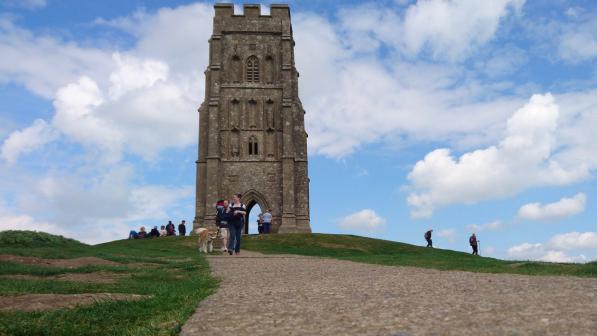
365, 220
451, 29
26, 140
552, 251
353, 97
575, 240
578, 42
491, 226
93, 204
522, 159
446, 30
138, 101
563, 208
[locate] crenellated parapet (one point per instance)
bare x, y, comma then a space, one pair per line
226, 10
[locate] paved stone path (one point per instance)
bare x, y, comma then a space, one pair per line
293, 295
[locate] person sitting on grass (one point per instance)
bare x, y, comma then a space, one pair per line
142, 233
163, 232
154, 232
133, 234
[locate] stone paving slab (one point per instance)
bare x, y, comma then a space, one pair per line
295, 295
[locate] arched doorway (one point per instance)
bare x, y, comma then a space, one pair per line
255, 203
253, 211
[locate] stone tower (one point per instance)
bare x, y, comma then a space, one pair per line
252, 138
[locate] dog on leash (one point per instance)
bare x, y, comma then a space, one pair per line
205, 240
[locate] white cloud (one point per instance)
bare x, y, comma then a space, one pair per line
554, 249
563, 208
26, 140
452, 29
449, 234
522, 159
575, 240
365, 220
578, 41
44, 63
447, 30
491, 226
25, 222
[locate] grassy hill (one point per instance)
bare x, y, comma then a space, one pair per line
169, 271
385, 252
175, 277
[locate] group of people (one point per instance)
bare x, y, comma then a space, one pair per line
472, 240
165, 230
230, 220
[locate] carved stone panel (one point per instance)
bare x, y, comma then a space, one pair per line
269, 114
235, 114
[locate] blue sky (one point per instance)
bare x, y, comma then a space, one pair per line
461, 116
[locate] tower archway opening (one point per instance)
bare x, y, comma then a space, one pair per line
253, 211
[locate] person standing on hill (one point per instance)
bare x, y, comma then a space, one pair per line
267, 221
474, 244
236, 224
182, 228
170, 229
428, 238
260, 223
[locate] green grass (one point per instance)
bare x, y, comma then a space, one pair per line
177, 281
375, 251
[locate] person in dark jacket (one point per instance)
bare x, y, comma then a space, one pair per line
474, 244
223, 217
236, 224
154, 232
428, 238
182, 228
170, 229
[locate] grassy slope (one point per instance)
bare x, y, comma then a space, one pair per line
177, 283
392, 253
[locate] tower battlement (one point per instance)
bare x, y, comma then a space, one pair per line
226, 10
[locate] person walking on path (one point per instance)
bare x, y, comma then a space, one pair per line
428, 238
163, 232
267, 221
182, 228
223, 217
170, 229
474, 244
236, 224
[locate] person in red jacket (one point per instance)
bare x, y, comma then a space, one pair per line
474, 244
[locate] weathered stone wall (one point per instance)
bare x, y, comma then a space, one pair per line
252, 138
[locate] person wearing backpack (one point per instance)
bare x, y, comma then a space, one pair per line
474, 244
235, 224
428, 238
